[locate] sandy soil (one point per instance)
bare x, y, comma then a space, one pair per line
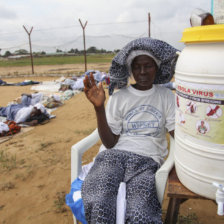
55, 70
35, 166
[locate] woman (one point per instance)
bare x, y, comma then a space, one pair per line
133, 132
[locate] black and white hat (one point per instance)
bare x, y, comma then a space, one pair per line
163, 54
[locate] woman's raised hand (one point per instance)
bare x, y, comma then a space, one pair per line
95, 94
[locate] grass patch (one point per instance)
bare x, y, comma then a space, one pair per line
58, 60
188, 219
7, 186
26, 173
41, 186
6, 161
84, 132
22, 162
59, 203
24, 177
44, 145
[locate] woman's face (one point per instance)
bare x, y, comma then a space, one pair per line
144, 71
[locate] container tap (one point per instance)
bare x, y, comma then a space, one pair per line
219, 197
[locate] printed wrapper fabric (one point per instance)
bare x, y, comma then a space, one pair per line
164, 52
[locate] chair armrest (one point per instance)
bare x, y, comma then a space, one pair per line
163, 172
77, 151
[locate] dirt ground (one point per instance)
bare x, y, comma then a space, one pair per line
35, 166
55, 70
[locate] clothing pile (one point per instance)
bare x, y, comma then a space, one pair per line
9, 128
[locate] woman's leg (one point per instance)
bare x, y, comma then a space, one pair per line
100, 187
142, 202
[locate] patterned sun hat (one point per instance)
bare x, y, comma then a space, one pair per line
161, 51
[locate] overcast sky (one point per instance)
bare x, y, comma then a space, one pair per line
111, 23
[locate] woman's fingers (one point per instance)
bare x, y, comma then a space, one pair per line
86, 85
100, 86
90, 87
86, 82
92, 79
89, 81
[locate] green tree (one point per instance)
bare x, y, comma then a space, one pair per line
102, 50
92, 50
21, 52
74, 51
7, 54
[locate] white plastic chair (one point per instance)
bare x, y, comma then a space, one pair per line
80, 147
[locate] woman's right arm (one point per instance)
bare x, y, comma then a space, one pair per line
96, 95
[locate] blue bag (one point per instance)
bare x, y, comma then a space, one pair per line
77, 206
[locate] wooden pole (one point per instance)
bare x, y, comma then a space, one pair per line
149, 21
31, 54
84, 42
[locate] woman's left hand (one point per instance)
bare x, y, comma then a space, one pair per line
95, 94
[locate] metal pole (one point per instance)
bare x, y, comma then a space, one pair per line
149, 21
31, 55
212, 7
84, 42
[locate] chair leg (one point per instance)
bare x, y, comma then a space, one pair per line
75, 220
173, 210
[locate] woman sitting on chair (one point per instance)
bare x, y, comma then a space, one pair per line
133, 132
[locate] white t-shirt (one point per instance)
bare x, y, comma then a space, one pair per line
23, 114
142, 118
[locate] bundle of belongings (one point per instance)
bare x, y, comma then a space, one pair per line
52, 101
9, 128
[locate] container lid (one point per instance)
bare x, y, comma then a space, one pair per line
199, 34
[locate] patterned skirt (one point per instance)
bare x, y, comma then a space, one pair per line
100, 188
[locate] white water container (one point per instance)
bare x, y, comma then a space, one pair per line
199, 130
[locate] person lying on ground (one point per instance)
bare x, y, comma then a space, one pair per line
26, 82
34, 98
76, 83
3, 83
28, 115
31, 99
133, 131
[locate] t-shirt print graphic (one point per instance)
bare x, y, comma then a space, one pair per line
144, 120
